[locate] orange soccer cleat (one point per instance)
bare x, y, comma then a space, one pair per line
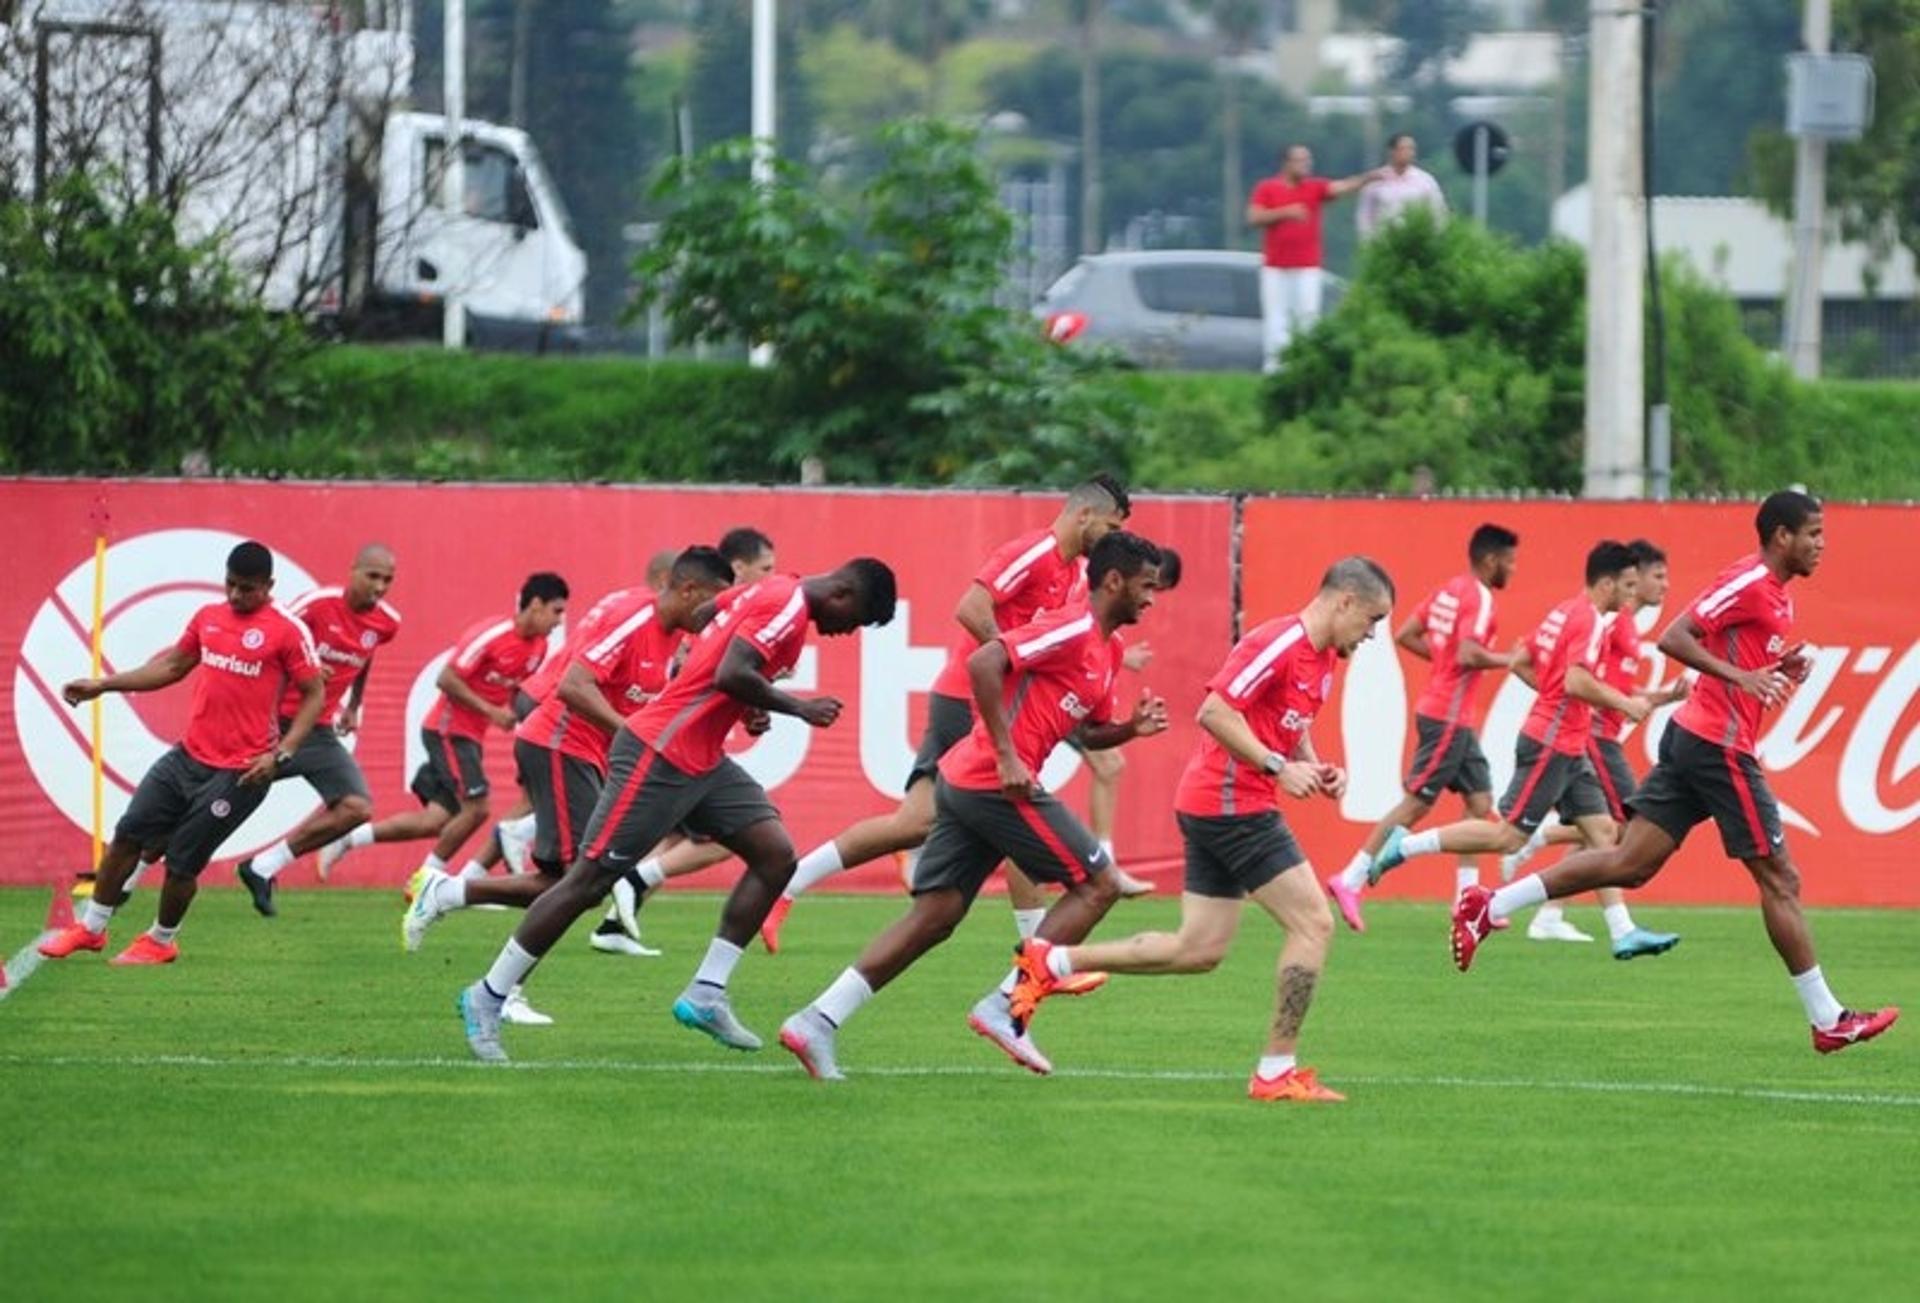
70, 938
145, 950
770, 928
1296, 1084
1033, 981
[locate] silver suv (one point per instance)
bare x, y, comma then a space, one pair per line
1178, 309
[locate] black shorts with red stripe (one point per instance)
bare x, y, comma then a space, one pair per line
1608, 757
647, 796
974, 830
1545, 780
1696, 780
563, 790
454, 771
1447, 758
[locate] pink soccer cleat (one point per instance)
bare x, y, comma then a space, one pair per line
1853, 1028
1471, 923
1348, 901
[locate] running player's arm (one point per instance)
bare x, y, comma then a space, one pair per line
1231, 730
460, 691
164, 670
349, 717
742, 676
1521, 664
987, 671
1413, 636
1584, 685
1333, 779
1473, 656
1682, 642
580, 690
1149, 717
975, 613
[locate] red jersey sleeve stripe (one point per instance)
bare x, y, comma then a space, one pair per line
299, 604
300, 628
1483, 618
777, 628
1021, 564
387, 609
1257, 668
1724, 596
1026, 651
475, 647
620, 634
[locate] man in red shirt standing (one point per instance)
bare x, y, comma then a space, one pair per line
1255, 744
477, 686
1454, 630
668, 769
1736, 634
1561, 662
249, 651
1033, 685
1287, 207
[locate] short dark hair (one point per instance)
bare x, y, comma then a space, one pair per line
1101, 490
1788, 509
1170, 568
1360, 575
874, 580
542, 586
1397, 137
1126, 552
697, 564
1488, 539
1646, 554
250, 560
1607, 559
744, 543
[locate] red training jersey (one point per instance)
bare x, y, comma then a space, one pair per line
343, 638
1278, 680
1619, 670
1570, 635
1459, 609
607, 613
630, 664
246, 663
1061, 674
493, 659
1745, 617
1023, 577
688, 723
1294, 243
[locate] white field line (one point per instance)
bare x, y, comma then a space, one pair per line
25, 963
318, 1063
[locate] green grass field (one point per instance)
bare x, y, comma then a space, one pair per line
288, 1113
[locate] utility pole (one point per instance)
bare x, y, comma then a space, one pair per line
763, 124
1804, 301
453, 313
1615, 460
1090, 241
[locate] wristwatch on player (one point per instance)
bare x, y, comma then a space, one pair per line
1274, 762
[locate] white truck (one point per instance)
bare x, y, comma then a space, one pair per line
283, 131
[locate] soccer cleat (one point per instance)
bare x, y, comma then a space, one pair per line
1129, 885
329, 856
1854, 1028
1390, 856
1081, 983
809, 1037
1297, 1084
515, 846
515, 1009
480, 1018
70, 938
1347, 901
145, 950
261, 889
617, 942
1554, 929
423, 907
1512, 864
770, 927
1642, 942
1033, 980
711, 1014
626, 903
991, 1019
1471, 923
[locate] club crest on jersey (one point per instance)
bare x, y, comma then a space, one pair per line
221, 808
369, 639
1776, 645
1075, 707
253, 639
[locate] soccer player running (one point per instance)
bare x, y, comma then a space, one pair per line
348, 624
560, 750
476, 685
1255, 744
248, 651
1453, 629
1034, 572
1033, 686
669, 769
1560, 661
1736, 635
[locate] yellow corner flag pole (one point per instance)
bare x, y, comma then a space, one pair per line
99, 752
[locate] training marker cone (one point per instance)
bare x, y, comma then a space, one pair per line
59, 910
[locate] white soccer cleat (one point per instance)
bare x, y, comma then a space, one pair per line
626, 906
619, 943
1130, 886
992, 1019
1554, 929
810, 1039
330, 855
517, 1011
425, 909
515, 846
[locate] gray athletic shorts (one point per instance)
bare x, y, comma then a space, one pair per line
948, 720
523, 705
453, 771
1233, 855
563, 790
1609, 761
1447, 758
1544, 780
646, 797
185, 809
329, 768
974, 830
1696, 780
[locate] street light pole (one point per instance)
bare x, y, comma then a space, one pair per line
765, 21
453, 194
1802, 343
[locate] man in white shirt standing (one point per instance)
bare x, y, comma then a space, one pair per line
1402, 185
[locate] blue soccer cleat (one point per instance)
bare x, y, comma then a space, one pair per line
1642, 942
1388, 858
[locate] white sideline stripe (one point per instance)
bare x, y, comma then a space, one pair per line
25, 962
325, 1063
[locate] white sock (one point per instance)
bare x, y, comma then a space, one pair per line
471, 869
1027, 921
273, 859
1515, 896
139, 872
509, 970
1465, 876
1354, 876
652, 873
717, 967
1272, 1065
1106, 844
843, 999
94, 916
522, 827
1619, 921
164, 935
1823, 1011
450, 893
434, 862
361, 836
1060, 962
1420, 843
819, 864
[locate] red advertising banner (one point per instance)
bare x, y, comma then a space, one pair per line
462, 552
1842, 756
